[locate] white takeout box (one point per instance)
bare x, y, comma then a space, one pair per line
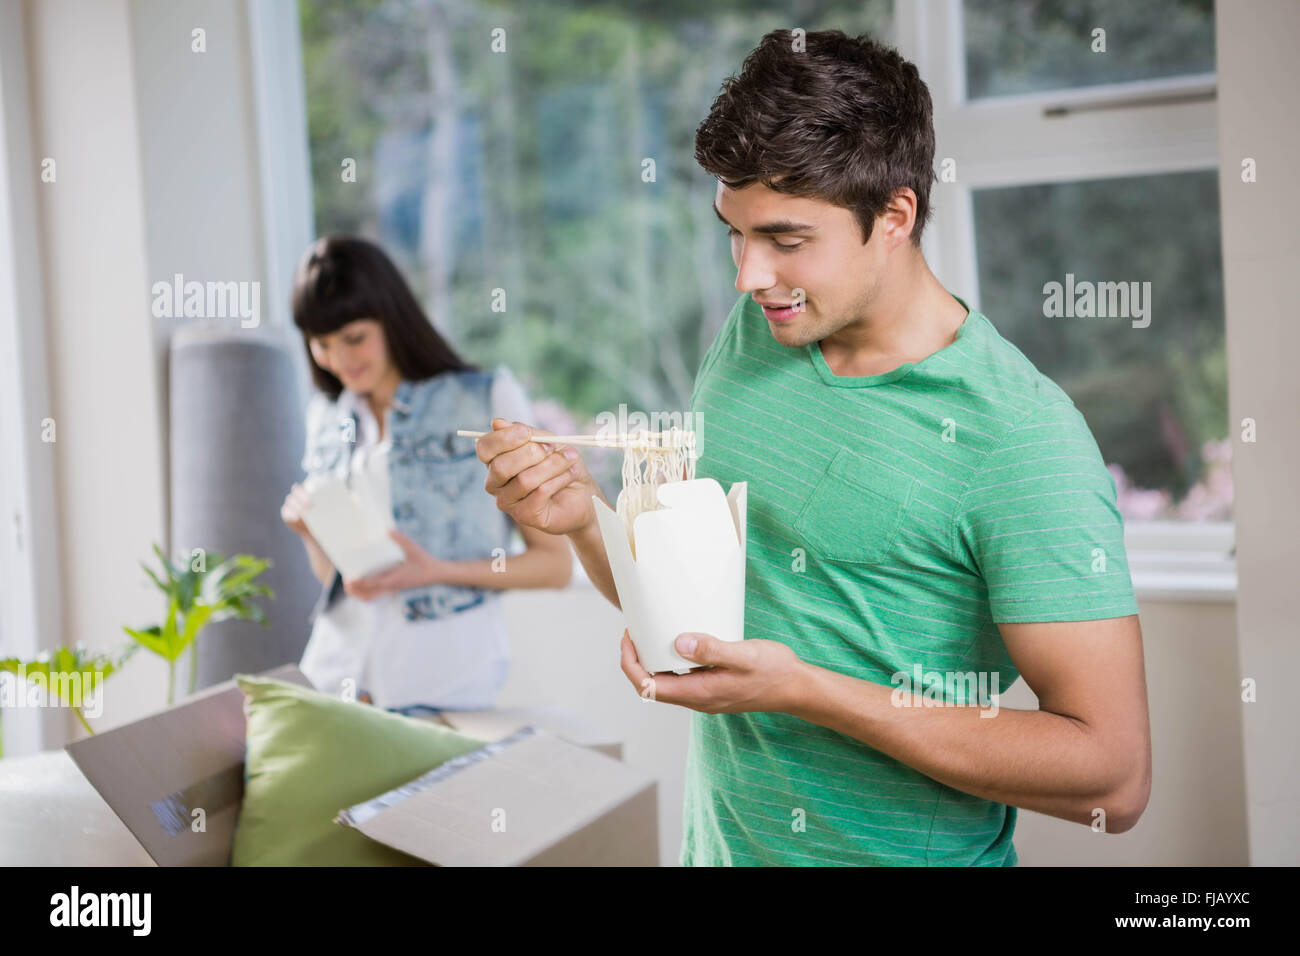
351, 524
689, 569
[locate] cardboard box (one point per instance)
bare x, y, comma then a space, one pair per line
529, 799
495, 724
565, 803
152, 771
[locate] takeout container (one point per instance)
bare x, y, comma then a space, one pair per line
351, 523
688, 573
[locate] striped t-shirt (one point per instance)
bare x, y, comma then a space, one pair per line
894, 520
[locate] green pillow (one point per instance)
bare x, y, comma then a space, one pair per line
311, 755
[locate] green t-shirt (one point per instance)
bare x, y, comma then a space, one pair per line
894, 521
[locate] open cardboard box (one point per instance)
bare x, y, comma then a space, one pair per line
569, 802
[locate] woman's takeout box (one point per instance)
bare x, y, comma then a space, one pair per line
688, 570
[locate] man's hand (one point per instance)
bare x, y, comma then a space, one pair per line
420, 569
743, 676
539, 486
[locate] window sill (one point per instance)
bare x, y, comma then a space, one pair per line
1182, 561
1200, 587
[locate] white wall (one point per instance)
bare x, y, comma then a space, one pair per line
103, 371
160, 171
1196, 815
198, 151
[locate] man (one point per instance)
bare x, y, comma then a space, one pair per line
925, 508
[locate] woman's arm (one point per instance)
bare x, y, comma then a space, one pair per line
547, 562
321, 566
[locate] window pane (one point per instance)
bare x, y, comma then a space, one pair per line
526, 171
1155, 396
1025, 46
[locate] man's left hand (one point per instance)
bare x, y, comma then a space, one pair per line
751, 675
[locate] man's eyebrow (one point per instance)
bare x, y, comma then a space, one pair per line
772, 228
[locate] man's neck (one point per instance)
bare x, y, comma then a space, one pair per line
915, 316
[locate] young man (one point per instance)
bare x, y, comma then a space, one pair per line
927, 513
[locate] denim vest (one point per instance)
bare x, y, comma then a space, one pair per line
435, 479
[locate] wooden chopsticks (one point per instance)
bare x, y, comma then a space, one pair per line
650, 439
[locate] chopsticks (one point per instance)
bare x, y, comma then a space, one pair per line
651, 439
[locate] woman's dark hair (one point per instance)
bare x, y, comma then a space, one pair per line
847, 121
344, 278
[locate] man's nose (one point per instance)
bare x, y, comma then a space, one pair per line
753, 273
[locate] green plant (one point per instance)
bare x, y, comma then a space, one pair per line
197, 596
56, 670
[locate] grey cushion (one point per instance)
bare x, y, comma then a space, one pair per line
237, 435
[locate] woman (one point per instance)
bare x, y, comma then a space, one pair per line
429, 633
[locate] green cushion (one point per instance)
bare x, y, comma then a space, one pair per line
311, 755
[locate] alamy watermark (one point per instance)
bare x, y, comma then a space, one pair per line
82, 691
1098, 300
611, 425
129, 910
946, 689
208, 300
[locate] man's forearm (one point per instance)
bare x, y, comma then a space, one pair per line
1024, 758
591, 552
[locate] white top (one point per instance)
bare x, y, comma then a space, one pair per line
457, 662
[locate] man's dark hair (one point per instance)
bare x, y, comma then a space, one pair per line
844, 120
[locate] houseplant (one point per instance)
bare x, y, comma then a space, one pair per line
196, 596
68, 674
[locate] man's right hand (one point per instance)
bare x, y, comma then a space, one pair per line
540, 486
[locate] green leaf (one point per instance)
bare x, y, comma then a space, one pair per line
194, 622
164, 641
149, 571
187, 586
172, 573
149, 637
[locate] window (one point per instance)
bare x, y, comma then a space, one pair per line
1028, 46
531, 169
1066, 160
1144, 359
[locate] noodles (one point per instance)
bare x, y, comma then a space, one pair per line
648, 462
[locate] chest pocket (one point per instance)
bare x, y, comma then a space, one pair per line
449, 468
854, 514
